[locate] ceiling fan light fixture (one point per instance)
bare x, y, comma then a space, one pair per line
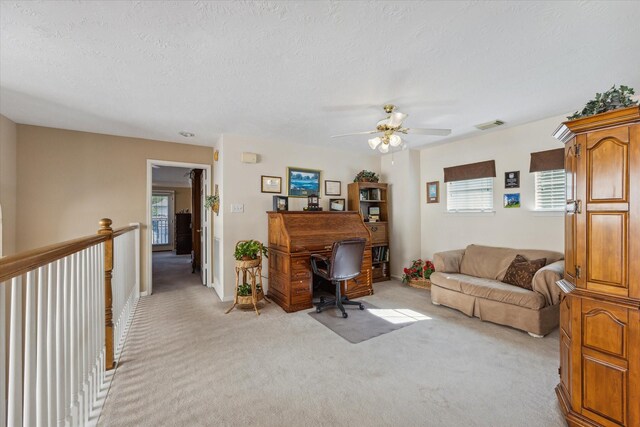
384, 148
396, 119
395, 140
374, 142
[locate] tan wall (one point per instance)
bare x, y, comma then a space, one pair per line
182, 197
8, 185
68, 180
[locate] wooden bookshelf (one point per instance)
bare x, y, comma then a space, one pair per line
362, 197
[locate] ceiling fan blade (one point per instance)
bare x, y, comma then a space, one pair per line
419, 131
355, 133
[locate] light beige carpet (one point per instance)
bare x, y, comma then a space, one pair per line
186, 363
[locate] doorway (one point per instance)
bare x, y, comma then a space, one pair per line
168, 205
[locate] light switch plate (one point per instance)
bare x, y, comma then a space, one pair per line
237, 208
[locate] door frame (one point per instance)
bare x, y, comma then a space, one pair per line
148, 247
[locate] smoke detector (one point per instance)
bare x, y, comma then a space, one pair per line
489, 125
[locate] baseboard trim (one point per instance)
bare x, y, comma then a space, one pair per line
144, 293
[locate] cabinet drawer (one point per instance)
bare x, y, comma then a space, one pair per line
378, 232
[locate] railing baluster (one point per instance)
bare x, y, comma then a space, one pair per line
28, 403
52, 366
14, 409
61, 377
73, 339
41, 347
3, 352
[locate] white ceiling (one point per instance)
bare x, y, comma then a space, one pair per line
302, 71
171, 176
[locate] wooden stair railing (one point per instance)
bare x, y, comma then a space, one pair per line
61, 325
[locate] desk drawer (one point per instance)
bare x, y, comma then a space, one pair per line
378, 232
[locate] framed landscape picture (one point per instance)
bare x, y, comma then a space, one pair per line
303, 182
433, 192
512, 200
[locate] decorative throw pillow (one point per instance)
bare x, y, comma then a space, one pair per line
520, 272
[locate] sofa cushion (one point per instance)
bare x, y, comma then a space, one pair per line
489, 289
491, 263
521, 271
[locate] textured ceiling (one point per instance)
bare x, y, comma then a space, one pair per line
302, 71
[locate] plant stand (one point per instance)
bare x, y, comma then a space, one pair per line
420, 283
253, 269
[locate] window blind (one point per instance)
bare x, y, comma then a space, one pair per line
470, 195
550, 190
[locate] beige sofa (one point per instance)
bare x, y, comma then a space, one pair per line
469, 280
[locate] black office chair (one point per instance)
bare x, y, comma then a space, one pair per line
345, 263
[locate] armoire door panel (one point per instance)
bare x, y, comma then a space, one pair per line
604, 389
607, 249
604, 328
570, 242
565, 362
565, 315
608, 166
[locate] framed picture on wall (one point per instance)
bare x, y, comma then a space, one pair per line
303, 182
433, 192
280, 203
336, 204
512, 200
271, 184
512, 179
332, 188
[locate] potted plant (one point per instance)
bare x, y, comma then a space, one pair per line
418, 274
612, 99
244, 294
366, 176
212, 202
249, 253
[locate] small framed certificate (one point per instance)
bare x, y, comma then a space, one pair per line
271, 184
332, 188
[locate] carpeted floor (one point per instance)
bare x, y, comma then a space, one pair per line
186, 363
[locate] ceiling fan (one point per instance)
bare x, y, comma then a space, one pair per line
391, 125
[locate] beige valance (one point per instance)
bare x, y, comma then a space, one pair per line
547, 160
470, 171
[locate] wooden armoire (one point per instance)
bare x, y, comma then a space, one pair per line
600, 292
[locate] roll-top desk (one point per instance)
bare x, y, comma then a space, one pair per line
293, 237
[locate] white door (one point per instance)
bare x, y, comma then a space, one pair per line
206, 218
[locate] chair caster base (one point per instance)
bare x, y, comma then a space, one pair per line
361, 307
345, 315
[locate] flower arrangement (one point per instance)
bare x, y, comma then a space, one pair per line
366, 176
419, 270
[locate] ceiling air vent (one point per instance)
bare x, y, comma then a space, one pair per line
489, 125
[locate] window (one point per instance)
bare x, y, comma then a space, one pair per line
470, 195
160, 218
550, 190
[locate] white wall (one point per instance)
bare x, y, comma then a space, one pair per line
240, 184
8, 185
516, 227
218, 267
402, 171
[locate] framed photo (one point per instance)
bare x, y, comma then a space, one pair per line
433, 192
303, 182
512, 200
271, 184
512, 179
374, 210
280, 203
336, 204
332, 188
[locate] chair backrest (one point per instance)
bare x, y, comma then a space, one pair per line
346, 258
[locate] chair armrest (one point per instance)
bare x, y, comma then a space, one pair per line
544, 282
448, 261
315, 258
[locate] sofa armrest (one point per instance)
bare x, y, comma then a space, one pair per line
544, 282
448, 261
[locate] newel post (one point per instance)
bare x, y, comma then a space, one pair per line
105, 229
